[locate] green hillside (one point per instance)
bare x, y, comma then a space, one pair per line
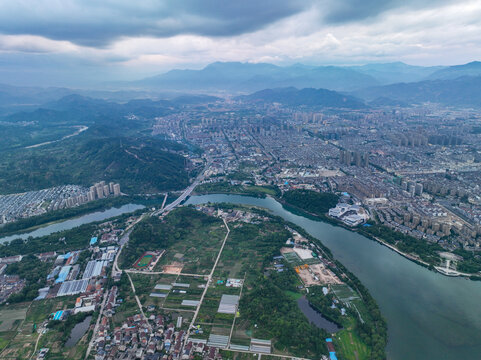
140, 165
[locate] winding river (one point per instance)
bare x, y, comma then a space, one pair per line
429, 316
72, 223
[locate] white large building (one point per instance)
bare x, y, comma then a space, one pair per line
351, 215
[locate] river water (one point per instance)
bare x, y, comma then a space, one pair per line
429, 316
72, 223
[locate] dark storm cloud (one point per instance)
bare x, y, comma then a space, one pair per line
97, 23
345, 11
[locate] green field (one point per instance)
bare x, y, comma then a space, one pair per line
196, 251
234, 355
293, 259
348, 344
192, 240
208, 314
344, 293
21, 338
11, 316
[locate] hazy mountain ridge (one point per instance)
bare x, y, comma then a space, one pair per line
396, 72
305, 97
462, 91
393, 83
246, 77
249, 77
453, 72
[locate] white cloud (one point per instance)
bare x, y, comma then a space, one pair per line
34, 44
445, 34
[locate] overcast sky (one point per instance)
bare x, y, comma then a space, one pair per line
67, 42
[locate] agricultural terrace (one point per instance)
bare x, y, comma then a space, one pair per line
267, 308
21, 323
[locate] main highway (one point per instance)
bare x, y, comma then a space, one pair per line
185, 194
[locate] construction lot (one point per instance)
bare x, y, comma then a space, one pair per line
310, 269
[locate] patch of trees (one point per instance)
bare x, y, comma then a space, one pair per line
278, 317
373, 331
64, 327
471, 261
311, 201
34, 272
322, 303
408, 244
286, 280
154, 234
67, 240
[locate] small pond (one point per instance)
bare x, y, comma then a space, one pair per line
316, 317
78, 331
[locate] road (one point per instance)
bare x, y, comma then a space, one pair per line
179, 200
36, 346
209, 279
185, 194
125, 238
80, 129
96, 328
163, 202
235, 315
139, 304
162, 272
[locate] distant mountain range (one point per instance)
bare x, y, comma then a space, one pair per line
387, 84
457, 71
397, 72
462, 91
248, 77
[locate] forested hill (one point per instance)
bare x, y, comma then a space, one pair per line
140, 165
291, 96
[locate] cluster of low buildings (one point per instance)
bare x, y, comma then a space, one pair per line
33, 203
10, 284
150, 338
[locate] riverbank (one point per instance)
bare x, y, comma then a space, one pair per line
35, 222
69, 224
226, 188
412, 257
431, 265
425, 320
